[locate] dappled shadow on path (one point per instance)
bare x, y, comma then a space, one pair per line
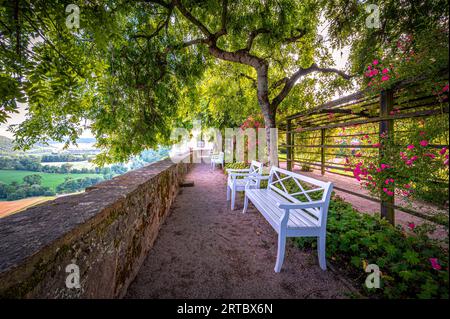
205, 250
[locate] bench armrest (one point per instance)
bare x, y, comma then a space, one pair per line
237, 170
260, 177
255, 177
314, 204
234, 175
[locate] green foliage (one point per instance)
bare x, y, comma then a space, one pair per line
235, 165
130, 75
50, 180
427, 24
71, 185
355, 240
34, 179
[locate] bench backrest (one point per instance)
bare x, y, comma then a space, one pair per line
291, 186
256, 167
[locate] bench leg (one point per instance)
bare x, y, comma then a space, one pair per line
245, 204
281, 250
228, 193
233, 198
321, 245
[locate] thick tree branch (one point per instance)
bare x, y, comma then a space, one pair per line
252, 37
240, 56
331, 70
290, 82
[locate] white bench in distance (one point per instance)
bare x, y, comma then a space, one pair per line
217, 159
289, 216
238, 178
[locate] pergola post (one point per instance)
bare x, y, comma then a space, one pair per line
387, 127
289, 146
322, 151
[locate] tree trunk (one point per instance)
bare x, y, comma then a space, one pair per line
268, 112
272, 151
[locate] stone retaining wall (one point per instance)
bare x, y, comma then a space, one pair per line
106, 231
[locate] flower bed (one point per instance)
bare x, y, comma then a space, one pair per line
411, 266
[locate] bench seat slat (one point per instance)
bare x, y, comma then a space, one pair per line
266, 201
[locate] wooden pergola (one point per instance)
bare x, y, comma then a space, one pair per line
307, 132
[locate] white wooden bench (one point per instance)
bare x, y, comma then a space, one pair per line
238, 180
217, 159
289, 216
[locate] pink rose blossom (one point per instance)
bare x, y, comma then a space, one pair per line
430, 155
410, 146
375, 62
414, 158
408, 186
421, 133
443, 151
435, 264
411, 226
385, 71
384, 78
424, 143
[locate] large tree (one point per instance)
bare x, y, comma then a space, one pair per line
124, 72
261, 35
124, 69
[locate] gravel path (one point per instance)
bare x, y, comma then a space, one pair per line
205, 250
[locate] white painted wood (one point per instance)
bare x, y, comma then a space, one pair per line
217, 159
239, 179
289, 216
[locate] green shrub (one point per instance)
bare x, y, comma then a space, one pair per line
237, 165
355, 240
306, 168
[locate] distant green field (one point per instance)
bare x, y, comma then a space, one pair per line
48, 179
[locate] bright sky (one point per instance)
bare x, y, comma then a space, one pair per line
340, 58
